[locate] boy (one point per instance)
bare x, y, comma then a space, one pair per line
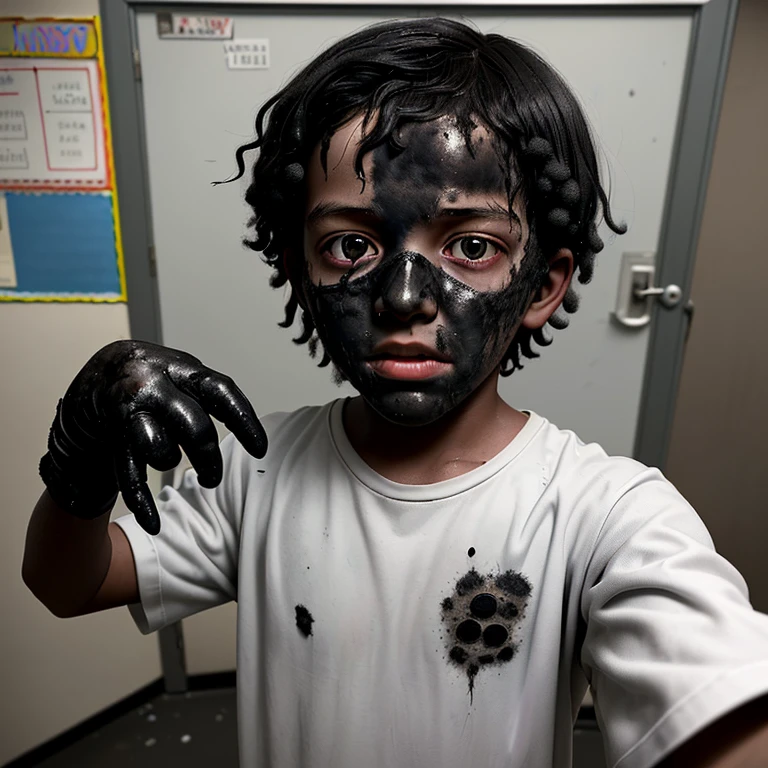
425, 576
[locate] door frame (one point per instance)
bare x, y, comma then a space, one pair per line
713, 23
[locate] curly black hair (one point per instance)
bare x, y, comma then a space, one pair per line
398, 72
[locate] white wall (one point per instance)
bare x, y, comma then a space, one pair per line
54, 672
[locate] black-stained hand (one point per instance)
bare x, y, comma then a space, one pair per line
132, 405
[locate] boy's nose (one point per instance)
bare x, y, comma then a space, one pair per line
408, 289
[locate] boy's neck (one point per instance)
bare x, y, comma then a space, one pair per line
465, 438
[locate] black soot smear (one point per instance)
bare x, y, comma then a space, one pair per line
481, 617
304, 620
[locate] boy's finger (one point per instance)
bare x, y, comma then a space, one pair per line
132, 481
224, 400
151, 440
145, 511
186, 422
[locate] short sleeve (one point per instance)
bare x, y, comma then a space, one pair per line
191, 564
672, 642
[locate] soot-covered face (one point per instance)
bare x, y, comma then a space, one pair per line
416, 282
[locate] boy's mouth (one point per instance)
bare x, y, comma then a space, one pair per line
412, 350
408, 361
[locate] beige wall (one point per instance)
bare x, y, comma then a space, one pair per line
55, 673
719, 455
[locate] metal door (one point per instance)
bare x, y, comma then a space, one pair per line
650, 79
215, 301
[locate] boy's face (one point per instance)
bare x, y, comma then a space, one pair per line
416, 283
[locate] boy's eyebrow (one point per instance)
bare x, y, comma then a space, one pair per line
475, 213
322, 210
484, 212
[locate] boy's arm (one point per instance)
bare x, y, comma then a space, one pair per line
75, 566
738, 740
676, 655
132, 404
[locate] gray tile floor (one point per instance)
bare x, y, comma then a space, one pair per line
199, 729
190, 730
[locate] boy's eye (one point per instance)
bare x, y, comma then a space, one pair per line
472, 248
350, 248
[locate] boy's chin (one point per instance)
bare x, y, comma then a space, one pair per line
409, 409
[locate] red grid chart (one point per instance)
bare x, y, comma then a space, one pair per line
64, 140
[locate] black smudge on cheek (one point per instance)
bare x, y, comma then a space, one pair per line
441, 342
474, 331
304, 620
342, 315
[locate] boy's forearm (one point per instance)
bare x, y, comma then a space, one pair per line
66, 559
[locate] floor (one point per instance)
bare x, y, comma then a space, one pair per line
189, 729
200, 729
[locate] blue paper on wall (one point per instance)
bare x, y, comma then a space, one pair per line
63, 245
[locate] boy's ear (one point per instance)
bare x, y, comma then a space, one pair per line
552, 292
289, 264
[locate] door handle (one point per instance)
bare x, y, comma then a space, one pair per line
637, 291
669, 296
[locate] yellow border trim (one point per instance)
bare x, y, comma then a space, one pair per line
50, 299
107, 120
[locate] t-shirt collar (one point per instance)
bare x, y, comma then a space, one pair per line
434, 491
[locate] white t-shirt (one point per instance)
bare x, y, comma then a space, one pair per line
455, 624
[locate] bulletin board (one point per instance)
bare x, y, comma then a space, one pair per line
59, 218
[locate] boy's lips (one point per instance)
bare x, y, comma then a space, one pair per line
408, 361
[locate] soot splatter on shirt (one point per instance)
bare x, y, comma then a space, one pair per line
304, 620
481, 617
470, 581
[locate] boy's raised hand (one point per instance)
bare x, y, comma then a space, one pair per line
133, 404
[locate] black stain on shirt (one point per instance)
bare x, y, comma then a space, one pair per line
480, 619
469, 582
458, 654
506, 654
513, 583
472, 671
508, 611
304, 620
495, 635
483, 606
469, 631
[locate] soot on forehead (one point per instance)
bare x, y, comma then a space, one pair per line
435, 163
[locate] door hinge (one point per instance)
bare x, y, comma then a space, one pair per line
136, 64
152, 261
